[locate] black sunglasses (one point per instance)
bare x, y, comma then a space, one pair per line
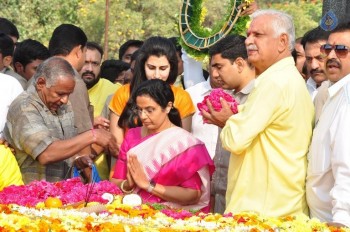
340, 50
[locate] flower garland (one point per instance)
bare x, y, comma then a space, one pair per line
195, 38
146, 218
30, 214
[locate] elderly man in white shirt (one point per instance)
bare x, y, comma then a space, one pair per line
328, 174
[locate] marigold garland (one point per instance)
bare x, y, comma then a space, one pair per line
120, 217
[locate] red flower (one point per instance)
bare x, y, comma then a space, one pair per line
214, 98
69, 191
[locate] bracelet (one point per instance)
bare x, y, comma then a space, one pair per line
151, 186
126, 191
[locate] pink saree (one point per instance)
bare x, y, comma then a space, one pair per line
173, 157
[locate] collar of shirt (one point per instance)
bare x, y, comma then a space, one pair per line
281, 64
311, 83
248, 88
335, 88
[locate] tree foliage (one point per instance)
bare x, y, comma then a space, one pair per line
132, 19
128, 19
37, 19
306, 14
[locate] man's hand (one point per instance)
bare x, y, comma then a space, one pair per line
84, 165
101, 123
248, 9
106, 140
6, 144
83, 161
218, 118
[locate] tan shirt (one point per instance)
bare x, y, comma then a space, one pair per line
31, 128
83, 110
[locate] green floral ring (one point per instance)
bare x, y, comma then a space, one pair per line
195, 38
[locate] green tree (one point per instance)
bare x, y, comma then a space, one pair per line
37, 19
132, 19
306, 14
128, 19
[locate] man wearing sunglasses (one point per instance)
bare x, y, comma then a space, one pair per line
328, 175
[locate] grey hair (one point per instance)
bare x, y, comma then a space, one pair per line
281, 23
52, 69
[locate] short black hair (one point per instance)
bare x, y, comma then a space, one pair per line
7, 27
110, 69
314, 35
230, 47
29, 50
94, 46
66, 37
127, 44
6, 45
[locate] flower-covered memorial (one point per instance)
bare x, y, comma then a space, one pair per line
72, 206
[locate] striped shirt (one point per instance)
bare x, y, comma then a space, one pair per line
31, 128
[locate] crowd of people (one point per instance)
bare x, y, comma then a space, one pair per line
135, 119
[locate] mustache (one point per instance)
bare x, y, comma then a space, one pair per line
333, 62
251, 47
88, 73
315, 71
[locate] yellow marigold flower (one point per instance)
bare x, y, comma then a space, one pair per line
204, 12
40, 205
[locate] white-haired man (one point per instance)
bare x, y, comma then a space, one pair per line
269, 137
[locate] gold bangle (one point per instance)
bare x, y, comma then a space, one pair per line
126, 191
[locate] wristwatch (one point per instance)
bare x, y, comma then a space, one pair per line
151, 186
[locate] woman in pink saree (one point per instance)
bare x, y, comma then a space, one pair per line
161, 161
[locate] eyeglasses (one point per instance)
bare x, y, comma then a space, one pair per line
148, 111
340, 50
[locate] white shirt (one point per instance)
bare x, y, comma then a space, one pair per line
193, 72
328, 174
10, 88
311, 87
207, 133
